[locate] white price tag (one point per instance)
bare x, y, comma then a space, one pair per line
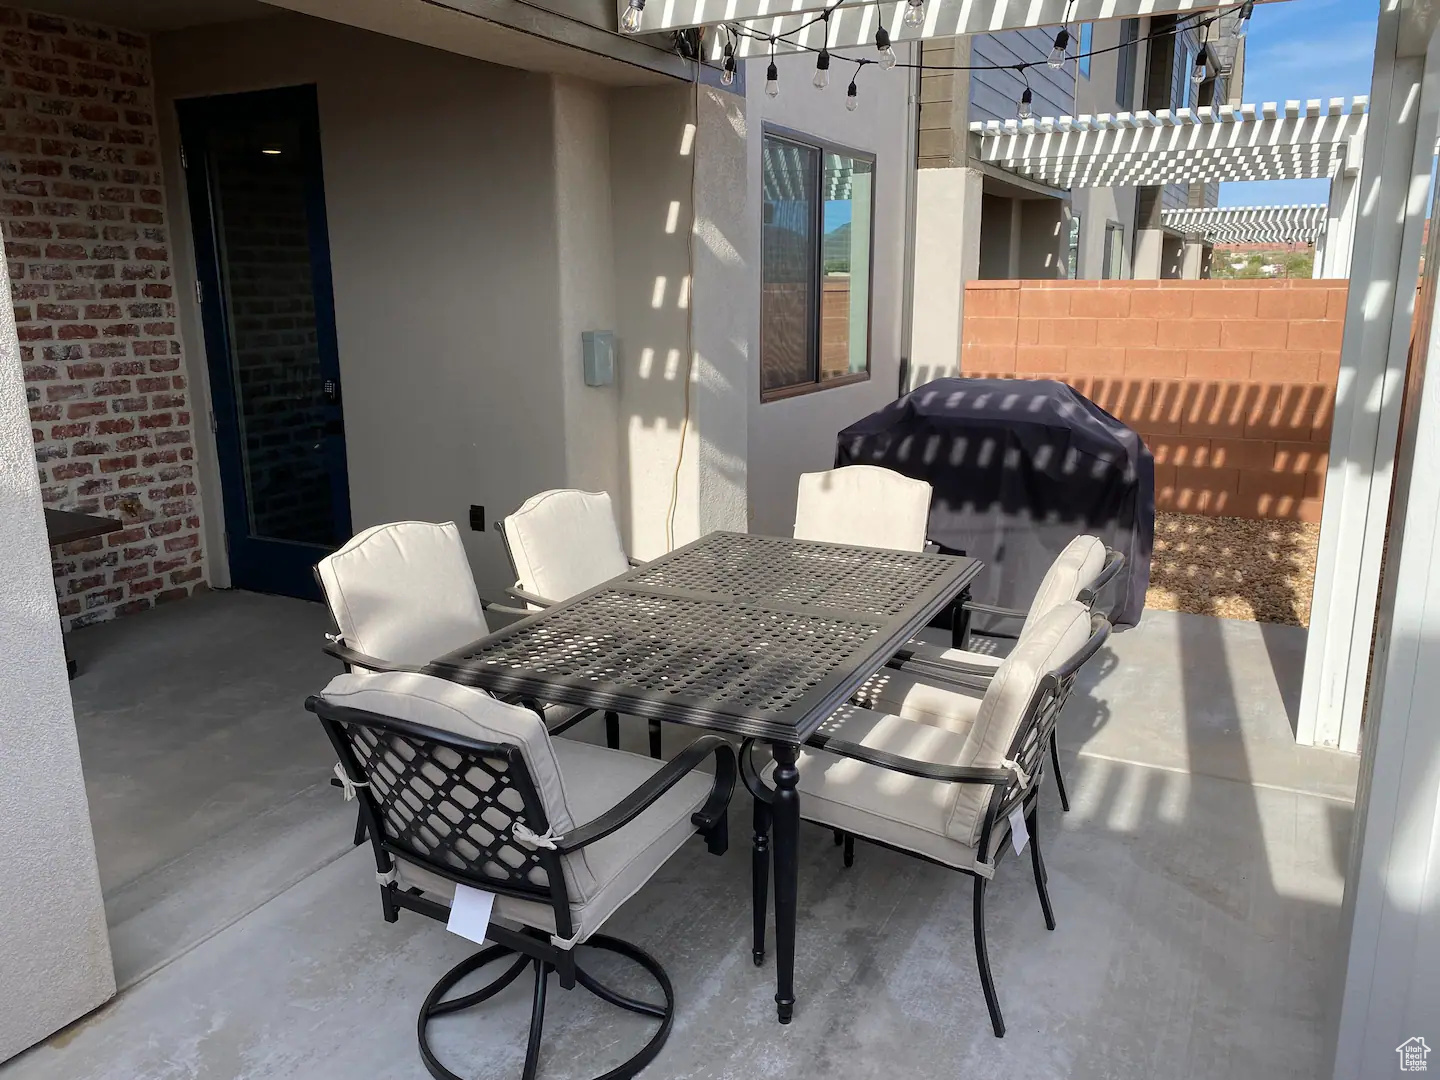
470, 913
1019, 831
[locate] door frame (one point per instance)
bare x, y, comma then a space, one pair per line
194, 115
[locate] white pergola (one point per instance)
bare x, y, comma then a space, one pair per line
1301, 224
1293, 140
853, 22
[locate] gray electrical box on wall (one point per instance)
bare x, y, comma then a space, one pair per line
598, 347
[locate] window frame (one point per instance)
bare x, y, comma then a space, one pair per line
1113, 228
817, 308
1127, 63
1072, 245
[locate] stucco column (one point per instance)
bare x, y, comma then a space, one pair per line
947, 255
54, 948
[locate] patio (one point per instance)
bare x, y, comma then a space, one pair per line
1197, 884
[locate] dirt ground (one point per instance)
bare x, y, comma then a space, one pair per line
1261, 571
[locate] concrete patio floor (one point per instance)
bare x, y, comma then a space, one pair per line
1196, 881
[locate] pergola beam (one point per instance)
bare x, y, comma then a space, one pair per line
1285, 141
1249, 224
854, 22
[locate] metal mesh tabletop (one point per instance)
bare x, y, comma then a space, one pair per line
753, 635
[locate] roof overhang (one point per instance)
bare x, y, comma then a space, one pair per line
853, 22
1294, 141
1249, 224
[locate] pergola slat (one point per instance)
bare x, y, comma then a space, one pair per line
1293, 141
1250, 224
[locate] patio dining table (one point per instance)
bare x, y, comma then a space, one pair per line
756, 636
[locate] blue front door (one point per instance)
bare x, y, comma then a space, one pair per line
257, 204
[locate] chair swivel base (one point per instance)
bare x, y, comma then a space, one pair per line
434, 1005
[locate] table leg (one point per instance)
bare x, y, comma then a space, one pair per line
960, 621
785, 813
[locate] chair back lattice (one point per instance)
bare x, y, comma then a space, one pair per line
448, 804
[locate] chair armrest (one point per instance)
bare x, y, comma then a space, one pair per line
1114, 563
505, 609
941, 673
529, 598
926, 770
639, 800
992, 609
354, 658
906, 658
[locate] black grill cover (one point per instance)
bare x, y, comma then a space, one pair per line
1019, 469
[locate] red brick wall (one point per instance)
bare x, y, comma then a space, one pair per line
1230, 383
83, 219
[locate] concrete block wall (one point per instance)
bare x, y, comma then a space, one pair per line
1230, 383
82, 212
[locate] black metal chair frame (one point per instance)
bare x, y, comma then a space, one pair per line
973, 677
612, 719
1027, 749
532, 948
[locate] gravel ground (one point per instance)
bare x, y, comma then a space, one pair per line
1259, 571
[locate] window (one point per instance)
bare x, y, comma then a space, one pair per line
1072, 252
1190, 52
815, 280
1125, 64
1114, 250
1085, 38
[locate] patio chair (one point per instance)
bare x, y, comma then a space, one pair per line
402, 595
1079, 572
463, 792
949, 797
562, 543
863, 505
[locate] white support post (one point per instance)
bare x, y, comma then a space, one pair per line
1340, 223
1389, 985
947, 255
1394, 182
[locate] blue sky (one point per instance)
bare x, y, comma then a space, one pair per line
1304, 49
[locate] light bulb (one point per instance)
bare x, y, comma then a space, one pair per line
1057, 54
1198, 72
1027, 100
727, 76
852, 98
914, 12
883, 47
772, 80
630, 21
822, 70
1242, 27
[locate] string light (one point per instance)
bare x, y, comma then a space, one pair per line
630, 21
822, 69
1057, 54
915, 17
885, 49
1242, 27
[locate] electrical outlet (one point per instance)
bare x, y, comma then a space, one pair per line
477, 518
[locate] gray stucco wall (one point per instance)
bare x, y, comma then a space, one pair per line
54, 952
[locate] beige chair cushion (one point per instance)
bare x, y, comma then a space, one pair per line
907, 812
403, 592
1055, 638
577, 782
912, 697
863, 505
565, 542
1072, 571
